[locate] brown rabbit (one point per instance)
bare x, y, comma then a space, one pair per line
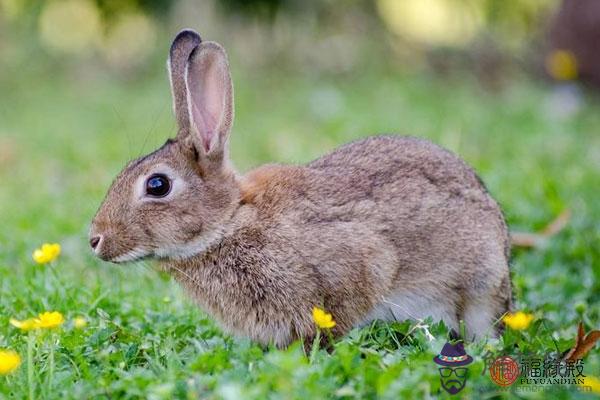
383, 228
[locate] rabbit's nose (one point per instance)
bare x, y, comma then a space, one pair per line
94, 241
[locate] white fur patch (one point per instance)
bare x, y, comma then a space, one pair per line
191, 248
479, 319
131, 255
403, 305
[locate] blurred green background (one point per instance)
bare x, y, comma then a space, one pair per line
83, 89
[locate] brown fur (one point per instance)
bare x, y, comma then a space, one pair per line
254, 184
377, 222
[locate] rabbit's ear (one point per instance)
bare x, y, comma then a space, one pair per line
210, 97
183, 45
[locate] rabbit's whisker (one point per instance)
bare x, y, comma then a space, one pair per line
192, 280
386, 301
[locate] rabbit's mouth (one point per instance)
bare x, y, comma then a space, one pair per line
108, 250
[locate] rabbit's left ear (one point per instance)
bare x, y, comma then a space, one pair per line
181, 48
209, 97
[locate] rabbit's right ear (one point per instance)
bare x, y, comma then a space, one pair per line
184, 43
210, 98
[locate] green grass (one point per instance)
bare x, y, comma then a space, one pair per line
63, 139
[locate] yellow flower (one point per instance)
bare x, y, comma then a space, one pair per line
79, 322
433, 22
518, 320
9, 361
47, 253
44, 320
562, 65
26, 325
51, 319
593, 383
322, 318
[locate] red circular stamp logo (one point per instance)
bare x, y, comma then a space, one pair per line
504, 371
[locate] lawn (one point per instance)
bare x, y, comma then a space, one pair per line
63, 138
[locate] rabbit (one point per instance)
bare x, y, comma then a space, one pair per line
388, 227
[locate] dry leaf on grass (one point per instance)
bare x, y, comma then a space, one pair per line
529, 239
583, 344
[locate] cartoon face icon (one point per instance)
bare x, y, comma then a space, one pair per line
453, 373
453, 379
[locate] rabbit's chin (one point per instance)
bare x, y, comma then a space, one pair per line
135, 254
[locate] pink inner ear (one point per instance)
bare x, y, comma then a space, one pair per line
207, 86
204, 125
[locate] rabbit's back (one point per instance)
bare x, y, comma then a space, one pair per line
407, 188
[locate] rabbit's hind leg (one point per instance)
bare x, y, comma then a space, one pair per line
414, 305
481, 315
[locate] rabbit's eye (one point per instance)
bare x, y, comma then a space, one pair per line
158, 185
